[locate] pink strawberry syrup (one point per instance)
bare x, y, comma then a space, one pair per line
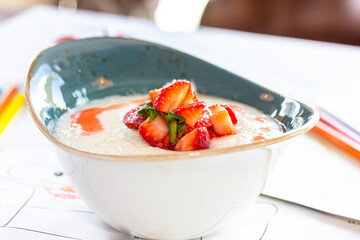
87, 119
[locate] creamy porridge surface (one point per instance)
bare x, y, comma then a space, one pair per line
118, 139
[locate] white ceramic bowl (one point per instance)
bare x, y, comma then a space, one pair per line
172, 196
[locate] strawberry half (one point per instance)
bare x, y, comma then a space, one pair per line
203, 120
212, 133
191, 112
155, 132
165, 143
190, 98
195, 140
221, 120
231, 113
153, 94
132, 119
171, 95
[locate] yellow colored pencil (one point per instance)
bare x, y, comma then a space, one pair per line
14, 105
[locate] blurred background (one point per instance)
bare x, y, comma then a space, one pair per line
324, 20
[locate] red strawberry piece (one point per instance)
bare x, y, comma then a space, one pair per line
132, 119
221, 120
231, 113
189, 130
212, 133
153, 94
191, 112
195, 140
171, 95
203, 120
189, 98
166, 143
154, 132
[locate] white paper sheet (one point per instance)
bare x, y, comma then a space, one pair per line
320, 176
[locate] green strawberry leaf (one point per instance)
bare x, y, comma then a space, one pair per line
173, 131
176, 125
148, 110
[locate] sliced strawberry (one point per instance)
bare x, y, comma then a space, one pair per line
165, 143
189, 98
153, 94
171, 95
155, 132
191, 112
231, 113
189, 130
221, 120
212, 133
195, 140
203, 120
132, 119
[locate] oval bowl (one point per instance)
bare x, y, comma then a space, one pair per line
169, 196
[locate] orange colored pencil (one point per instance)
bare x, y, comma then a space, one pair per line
6, 96
337, 138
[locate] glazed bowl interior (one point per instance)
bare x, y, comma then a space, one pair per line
76, 72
